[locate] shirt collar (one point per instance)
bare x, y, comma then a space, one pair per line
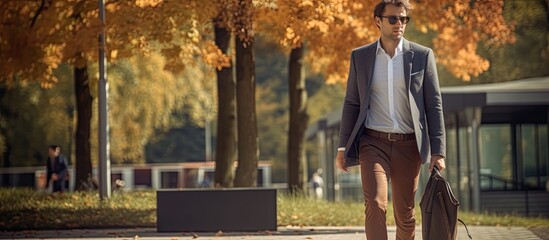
398, 48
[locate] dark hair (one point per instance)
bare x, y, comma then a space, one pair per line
54, 147
380, 7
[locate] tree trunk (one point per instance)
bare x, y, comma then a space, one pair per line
226, 118
297, 170
546, 7
246, 172
82, 139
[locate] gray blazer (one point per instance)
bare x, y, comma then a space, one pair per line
424, 96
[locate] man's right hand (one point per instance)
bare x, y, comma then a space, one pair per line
340, 161
54, 177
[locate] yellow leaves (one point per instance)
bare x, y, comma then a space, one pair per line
306, 3
68, 205
214, 57
147, 3
463, 63
290, 34
140, 94
295, 21
239, 18
54, 55
112, 7
141, 43
114, 54
194, 35
47, 80
290, 38
357, 5
423, 28
460, 26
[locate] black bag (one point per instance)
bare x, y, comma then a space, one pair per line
439, 210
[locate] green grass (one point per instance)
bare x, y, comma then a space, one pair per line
27, 209
303, 211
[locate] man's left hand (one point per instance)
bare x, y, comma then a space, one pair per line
437, 160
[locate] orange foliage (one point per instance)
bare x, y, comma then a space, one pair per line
291, 22
239, 17
66, 32
460, 27
332, 28
20, 55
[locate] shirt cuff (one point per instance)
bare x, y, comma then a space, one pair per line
341, 149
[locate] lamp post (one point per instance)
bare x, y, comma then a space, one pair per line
104, 161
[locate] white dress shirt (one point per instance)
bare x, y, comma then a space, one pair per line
389, 109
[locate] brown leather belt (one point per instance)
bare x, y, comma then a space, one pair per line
393, 137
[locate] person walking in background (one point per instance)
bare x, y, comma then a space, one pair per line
392, 120
318, 184
57, 168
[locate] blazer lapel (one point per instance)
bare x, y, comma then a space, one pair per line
370, 63
408, 58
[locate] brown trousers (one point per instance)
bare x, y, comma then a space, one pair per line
399, 162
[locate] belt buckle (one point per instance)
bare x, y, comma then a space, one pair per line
390, 139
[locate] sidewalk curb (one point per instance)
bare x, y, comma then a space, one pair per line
306, 232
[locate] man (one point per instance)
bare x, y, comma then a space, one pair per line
57, 168
392, 120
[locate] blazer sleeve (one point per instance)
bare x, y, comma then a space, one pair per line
64, 167
433, 107
351, 105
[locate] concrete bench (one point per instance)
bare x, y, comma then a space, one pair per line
208, 210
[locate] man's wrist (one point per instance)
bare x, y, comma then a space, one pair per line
438, 155
341, 149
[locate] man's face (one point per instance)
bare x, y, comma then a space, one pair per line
392, 31
51, 152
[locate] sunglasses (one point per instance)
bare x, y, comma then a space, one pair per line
393, 19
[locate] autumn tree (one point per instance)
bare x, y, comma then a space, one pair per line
20, 29
66, 31
242, 23
43, 30
293, 23
226, 117
226, 97
143, 98
31, 118
236, 17
529, 55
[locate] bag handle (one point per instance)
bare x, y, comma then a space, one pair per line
467, 229
437, 171
435, 168
431, 186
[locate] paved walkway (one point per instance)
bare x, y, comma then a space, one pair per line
290, 233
